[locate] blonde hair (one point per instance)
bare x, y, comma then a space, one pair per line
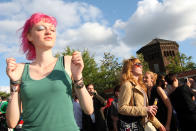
127, 75
153, 76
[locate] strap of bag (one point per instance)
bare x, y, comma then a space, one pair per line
133, 93
133, 96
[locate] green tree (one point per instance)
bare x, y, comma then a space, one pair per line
90, 67
180, 63
67, 51
109, 72
4, 94
104, 76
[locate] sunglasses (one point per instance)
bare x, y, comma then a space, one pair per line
131, 59
138, 64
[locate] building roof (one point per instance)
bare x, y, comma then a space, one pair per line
160, 41
190, 73
157, 41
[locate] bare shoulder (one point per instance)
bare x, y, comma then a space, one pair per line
161, 92
20, 68
67, 60
68, 57
67, 63
159, 89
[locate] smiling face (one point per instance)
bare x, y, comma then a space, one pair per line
42, 35
148, 80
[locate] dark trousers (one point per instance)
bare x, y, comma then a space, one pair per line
3, 124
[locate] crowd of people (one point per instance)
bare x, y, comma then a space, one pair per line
42, 95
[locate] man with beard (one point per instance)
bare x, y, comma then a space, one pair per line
95, 121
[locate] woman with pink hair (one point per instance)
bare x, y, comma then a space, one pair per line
44, 86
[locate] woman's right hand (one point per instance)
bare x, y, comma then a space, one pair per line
152, 110
11, 69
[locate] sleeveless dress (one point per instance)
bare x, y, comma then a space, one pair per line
47, 103
161, 114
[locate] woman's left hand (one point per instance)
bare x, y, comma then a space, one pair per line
77, 65
167, 127
162, 128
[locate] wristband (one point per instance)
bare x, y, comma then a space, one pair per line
79, 85
76, 81
18, 82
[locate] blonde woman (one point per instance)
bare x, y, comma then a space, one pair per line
156, 85
133, 103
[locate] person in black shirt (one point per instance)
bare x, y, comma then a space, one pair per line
95, 121
181, 99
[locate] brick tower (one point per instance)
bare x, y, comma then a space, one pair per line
156, 53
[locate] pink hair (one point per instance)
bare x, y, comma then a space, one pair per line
27, 47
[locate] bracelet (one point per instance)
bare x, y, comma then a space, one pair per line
15, 82
76, 81
79, 85
14, 89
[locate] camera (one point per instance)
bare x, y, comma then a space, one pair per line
185, 80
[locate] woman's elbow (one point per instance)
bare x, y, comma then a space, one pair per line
120, 110
11, 124
89, 111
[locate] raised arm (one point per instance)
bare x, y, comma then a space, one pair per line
14, 72
76, 68
100, 98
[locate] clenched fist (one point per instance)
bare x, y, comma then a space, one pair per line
13, 69
77, 65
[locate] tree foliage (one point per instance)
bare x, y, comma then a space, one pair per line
90, 67
4, 94
109, 72
180, 63
103, 75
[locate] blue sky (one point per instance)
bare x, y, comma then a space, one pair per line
119, 27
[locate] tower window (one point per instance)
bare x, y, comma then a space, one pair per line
170, 53
173, 53
165, 54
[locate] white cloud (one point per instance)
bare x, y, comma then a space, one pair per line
9, 8
5, 89
96, 38
81, 25
89, 35
70, 16
168, 19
